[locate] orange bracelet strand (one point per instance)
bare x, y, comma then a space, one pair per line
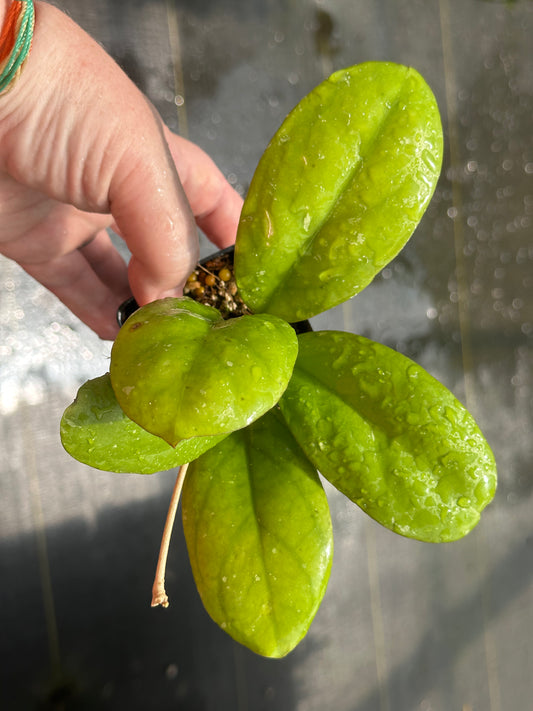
15, 41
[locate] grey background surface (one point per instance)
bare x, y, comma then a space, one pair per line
404, 626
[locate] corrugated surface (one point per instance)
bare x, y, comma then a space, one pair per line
404, 626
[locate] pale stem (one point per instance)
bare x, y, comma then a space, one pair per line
159, 596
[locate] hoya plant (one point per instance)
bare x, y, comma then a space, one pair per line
253, 413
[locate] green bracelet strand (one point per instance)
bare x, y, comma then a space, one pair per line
21, 47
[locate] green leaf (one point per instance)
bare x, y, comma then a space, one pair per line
258, 531
389, 436
179, 370
338, 191
95, 431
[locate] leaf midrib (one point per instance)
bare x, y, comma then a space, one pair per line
357, 168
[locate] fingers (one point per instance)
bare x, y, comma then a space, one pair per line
36, 229
165, 254
107, 264
215, 204
91, 281
153, 216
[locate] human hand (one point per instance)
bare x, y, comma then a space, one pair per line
81, 149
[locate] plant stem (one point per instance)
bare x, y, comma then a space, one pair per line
159, 596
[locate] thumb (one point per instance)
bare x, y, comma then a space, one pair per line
153, 216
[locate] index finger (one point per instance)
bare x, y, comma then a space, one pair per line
216, 205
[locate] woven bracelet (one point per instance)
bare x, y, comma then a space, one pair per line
15, 41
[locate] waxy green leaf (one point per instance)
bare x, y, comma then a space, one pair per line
179, 370
95, 431
339, 190
259, 537
389, 436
